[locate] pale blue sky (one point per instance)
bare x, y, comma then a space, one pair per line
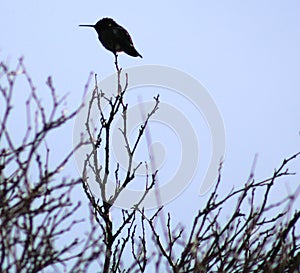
246, 53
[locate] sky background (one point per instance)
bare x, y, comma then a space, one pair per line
246, 53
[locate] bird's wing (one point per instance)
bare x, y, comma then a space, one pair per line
121, 34
124, 40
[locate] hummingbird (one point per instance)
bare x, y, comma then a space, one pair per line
114, 37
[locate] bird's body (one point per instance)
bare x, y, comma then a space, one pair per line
114, 37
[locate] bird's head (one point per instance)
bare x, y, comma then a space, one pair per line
102, 24
105, 23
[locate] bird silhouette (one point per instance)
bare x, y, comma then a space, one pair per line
114, 37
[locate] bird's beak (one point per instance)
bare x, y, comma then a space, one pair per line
86, 26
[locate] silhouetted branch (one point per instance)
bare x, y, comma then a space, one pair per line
114, 247
36, 203
38, 215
